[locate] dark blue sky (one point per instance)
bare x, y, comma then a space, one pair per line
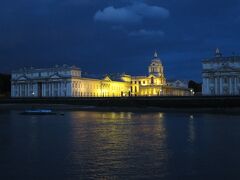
106, 36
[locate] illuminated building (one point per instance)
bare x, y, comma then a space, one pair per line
68, 81
221, 75
63, 82
155, 83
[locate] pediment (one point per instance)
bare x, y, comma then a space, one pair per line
107, 78
55, 76
22, 78
151, 75
178, 82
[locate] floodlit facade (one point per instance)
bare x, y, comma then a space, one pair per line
68, 81
221, 75
155, 83
63, 82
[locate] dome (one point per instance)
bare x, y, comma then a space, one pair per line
156, 67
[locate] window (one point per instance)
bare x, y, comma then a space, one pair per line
55, 85
152, 80
212, 80
225, 80
212, 91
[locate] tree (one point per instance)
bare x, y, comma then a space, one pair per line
197, 87
5, 85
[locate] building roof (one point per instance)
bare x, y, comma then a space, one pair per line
220, 58
56, 68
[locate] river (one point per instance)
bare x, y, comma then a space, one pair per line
119, 145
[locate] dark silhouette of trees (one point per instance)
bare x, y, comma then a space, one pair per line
197, 87
5, 85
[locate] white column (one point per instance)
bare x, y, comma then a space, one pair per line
52, 85
36, 89
235, 86
33, 92
12, 90
18, 90
20, 93
28, 91
61, 88
49, 89
230, 85
221, 86
207, 86
57, 88
216, 86
43, 89
204, 86
68, 89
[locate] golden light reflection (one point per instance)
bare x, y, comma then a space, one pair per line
109, 137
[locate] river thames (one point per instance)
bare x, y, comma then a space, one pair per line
119, 145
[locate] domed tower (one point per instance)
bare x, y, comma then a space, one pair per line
156, 67
218, 53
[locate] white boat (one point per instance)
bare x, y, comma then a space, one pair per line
38, 112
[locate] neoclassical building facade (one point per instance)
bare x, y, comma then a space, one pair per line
221, 75
68, 81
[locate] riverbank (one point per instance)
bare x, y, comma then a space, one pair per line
143, 104
66, 107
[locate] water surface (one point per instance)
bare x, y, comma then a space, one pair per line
122, 145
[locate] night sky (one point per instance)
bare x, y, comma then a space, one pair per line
110, 36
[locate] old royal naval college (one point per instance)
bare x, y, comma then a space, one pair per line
68, 81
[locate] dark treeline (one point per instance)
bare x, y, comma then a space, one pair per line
197, 87
5, 85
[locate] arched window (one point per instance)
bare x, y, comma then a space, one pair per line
152, 80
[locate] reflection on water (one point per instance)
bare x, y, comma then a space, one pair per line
116, 142
122, 145
191, 129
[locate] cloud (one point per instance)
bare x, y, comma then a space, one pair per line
133, 13
147, 33
121, 15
